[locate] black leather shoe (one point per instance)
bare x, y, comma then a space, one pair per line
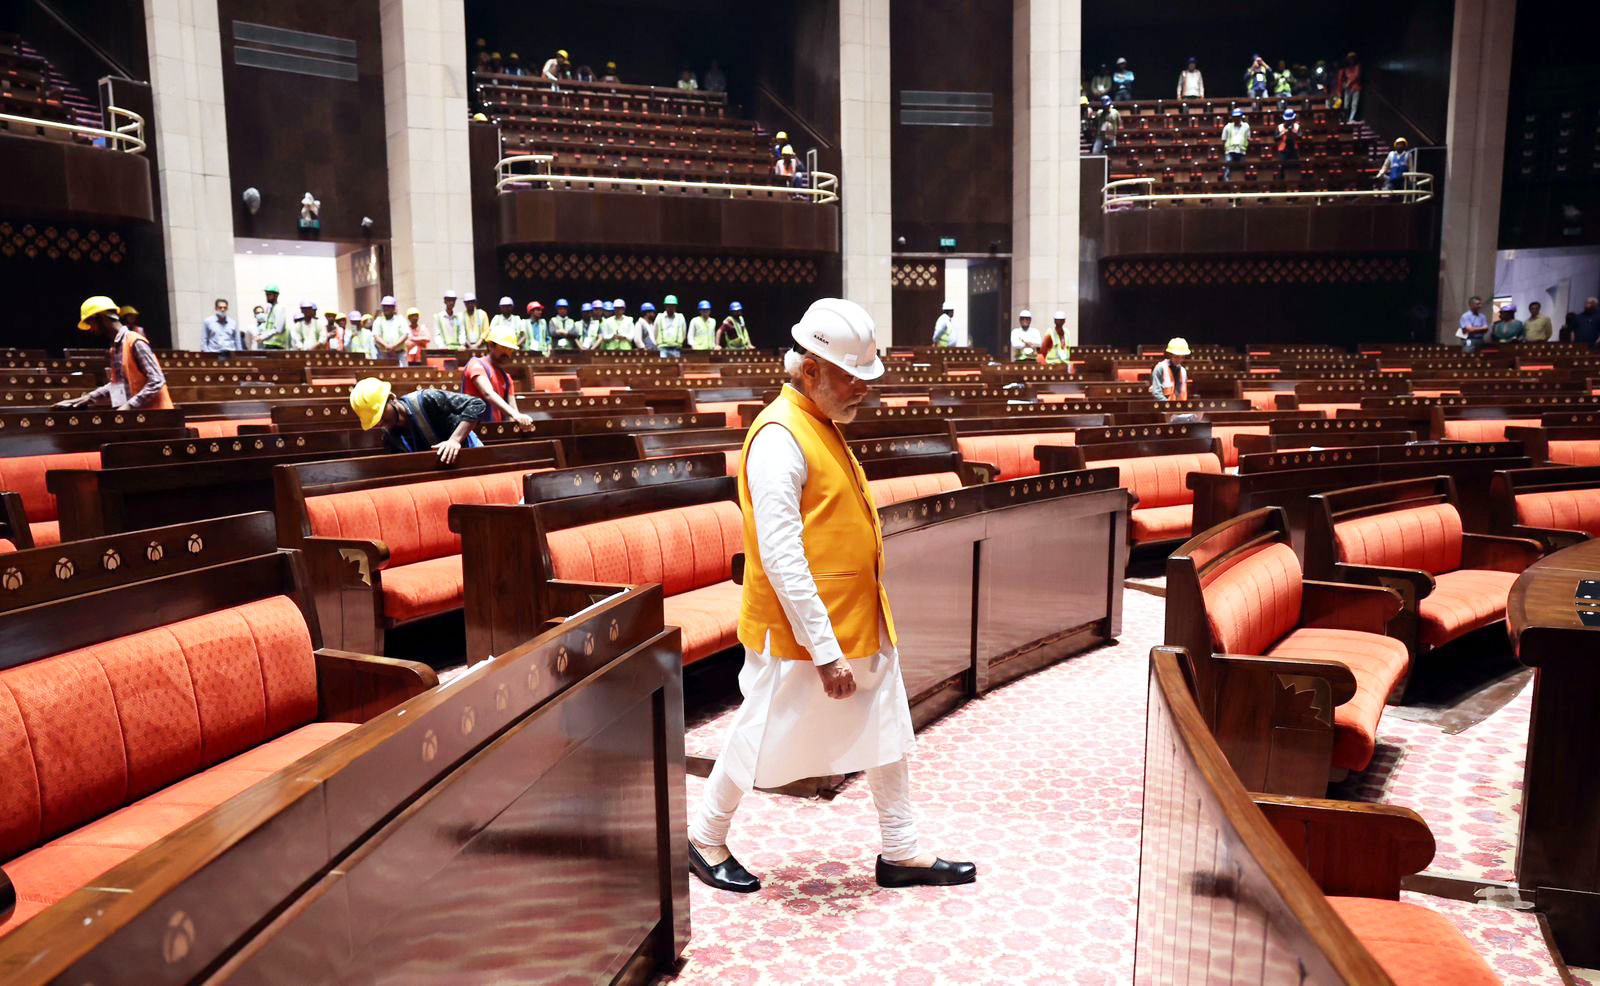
942, 873
726, 875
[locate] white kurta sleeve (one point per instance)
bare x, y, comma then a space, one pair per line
776, 471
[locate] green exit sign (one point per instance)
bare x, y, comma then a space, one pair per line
947, 242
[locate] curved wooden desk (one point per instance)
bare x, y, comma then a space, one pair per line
1558, 635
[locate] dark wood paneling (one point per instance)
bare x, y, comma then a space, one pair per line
58, 179
289, 134
1266, 229
601, 219
951, 181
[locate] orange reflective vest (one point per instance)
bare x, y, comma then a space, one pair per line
134, 377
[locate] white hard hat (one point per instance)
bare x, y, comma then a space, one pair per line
505, 300
949, 304
1060, 316
1024, 314
450, 293
842, 333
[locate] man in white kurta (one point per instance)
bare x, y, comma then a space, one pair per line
835, 713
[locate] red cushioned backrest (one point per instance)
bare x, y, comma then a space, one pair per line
901, 400
1159, 480
550, 382
728, 409
1329, 410
1262, 400
1226, 433
24, 474
898, 488
1253, 599
1426, 538
1011, 454
88, 731
413, 520
1481, 430
225, 427
1579, 453
731, 459
1567, 510
683, 548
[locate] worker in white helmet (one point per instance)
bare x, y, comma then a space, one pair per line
944, 329
821, 677
1025, 339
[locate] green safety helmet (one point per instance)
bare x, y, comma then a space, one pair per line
270, 289
670, 299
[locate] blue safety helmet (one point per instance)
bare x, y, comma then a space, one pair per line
704, 305
607, 306
735, 307
586, 307
561, 303
1238, 112
647, 307
1288, 116
1105, 100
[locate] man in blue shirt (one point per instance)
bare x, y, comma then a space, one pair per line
220, 333
1474, 325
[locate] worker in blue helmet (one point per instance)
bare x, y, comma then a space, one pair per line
732, 333
588, 325
703, 329
644, 330
563, 330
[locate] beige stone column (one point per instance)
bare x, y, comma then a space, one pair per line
864, 120
1047, 38
425, 115
191, 137
1475, 137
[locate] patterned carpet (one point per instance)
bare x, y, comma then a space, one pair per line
1040, 784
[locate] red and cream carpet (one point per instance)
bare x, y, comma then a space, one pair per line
1040, 783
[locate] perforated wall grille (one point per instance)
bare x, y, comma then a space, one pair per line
542, 265
1256, 270
30, 241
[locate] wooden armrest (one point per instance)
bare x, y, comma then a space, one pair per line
567, 597
1498, 553
498, 514
355, 559
1410, 583
1552, 538
1343, 606
1351, 849
1341, 680
15, 519
355, 687
975, 473
8, 897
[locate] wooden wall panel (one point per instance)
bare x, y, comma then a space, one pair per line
613, 219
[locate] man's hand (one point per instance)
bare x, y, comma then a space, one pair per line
69, 402
837, 680
448, 450
522, 420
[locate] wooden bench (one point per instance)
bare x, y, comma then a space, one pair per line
1302, 433
193, 667
1154, 461
151, 483
1567, 445
1275, 889
1407, 535
1557, 506
376, 536
1291, 675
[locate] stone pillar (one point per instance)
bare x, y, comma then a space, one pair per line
1475, 138
864, 120
1047, 38
191, 136
425, 112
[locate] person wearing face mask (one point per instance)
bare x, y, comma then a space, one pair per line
821, 677
220, 334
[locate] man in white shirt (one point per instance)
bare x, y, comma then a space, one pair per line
944, 329
449, 327
389, 330
1191, 84
305, 332
474, 322
1025, 339
821, 675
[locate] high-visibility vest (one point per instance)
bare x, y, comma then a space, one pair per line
702, 332
134, 377
274, 330
672, 331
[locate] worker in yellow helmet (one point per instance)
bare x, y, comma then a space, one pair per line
489, 375
441, 420
133, 374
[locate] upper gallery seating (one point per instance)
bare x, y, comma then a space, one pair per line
625, 131
1314, 884
1407, 535
1291, 675
30, 86
1179, 143
135, 697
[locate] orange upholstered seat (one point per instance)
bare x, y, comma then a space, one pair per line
1226, 433
731, 459
1413, 945
24, 475
423, 588
897, 488
1166, 504
1424, 538
1152, 524
225, 427
689, 550
1132, 374
1485, 430
1262, 400
412, 520
1011, 454
108, 748
901, 400
1463, 601
1567, 510
550, 382
1377, 663
1253, 606
728, 409
1329, 410
1575, 453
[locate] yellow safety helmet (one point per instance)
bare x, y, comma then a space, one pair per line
1178, 346
127, 310
788, 150
562, 53
368, 398
781, 135
504, 335
413, 311
98, 305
